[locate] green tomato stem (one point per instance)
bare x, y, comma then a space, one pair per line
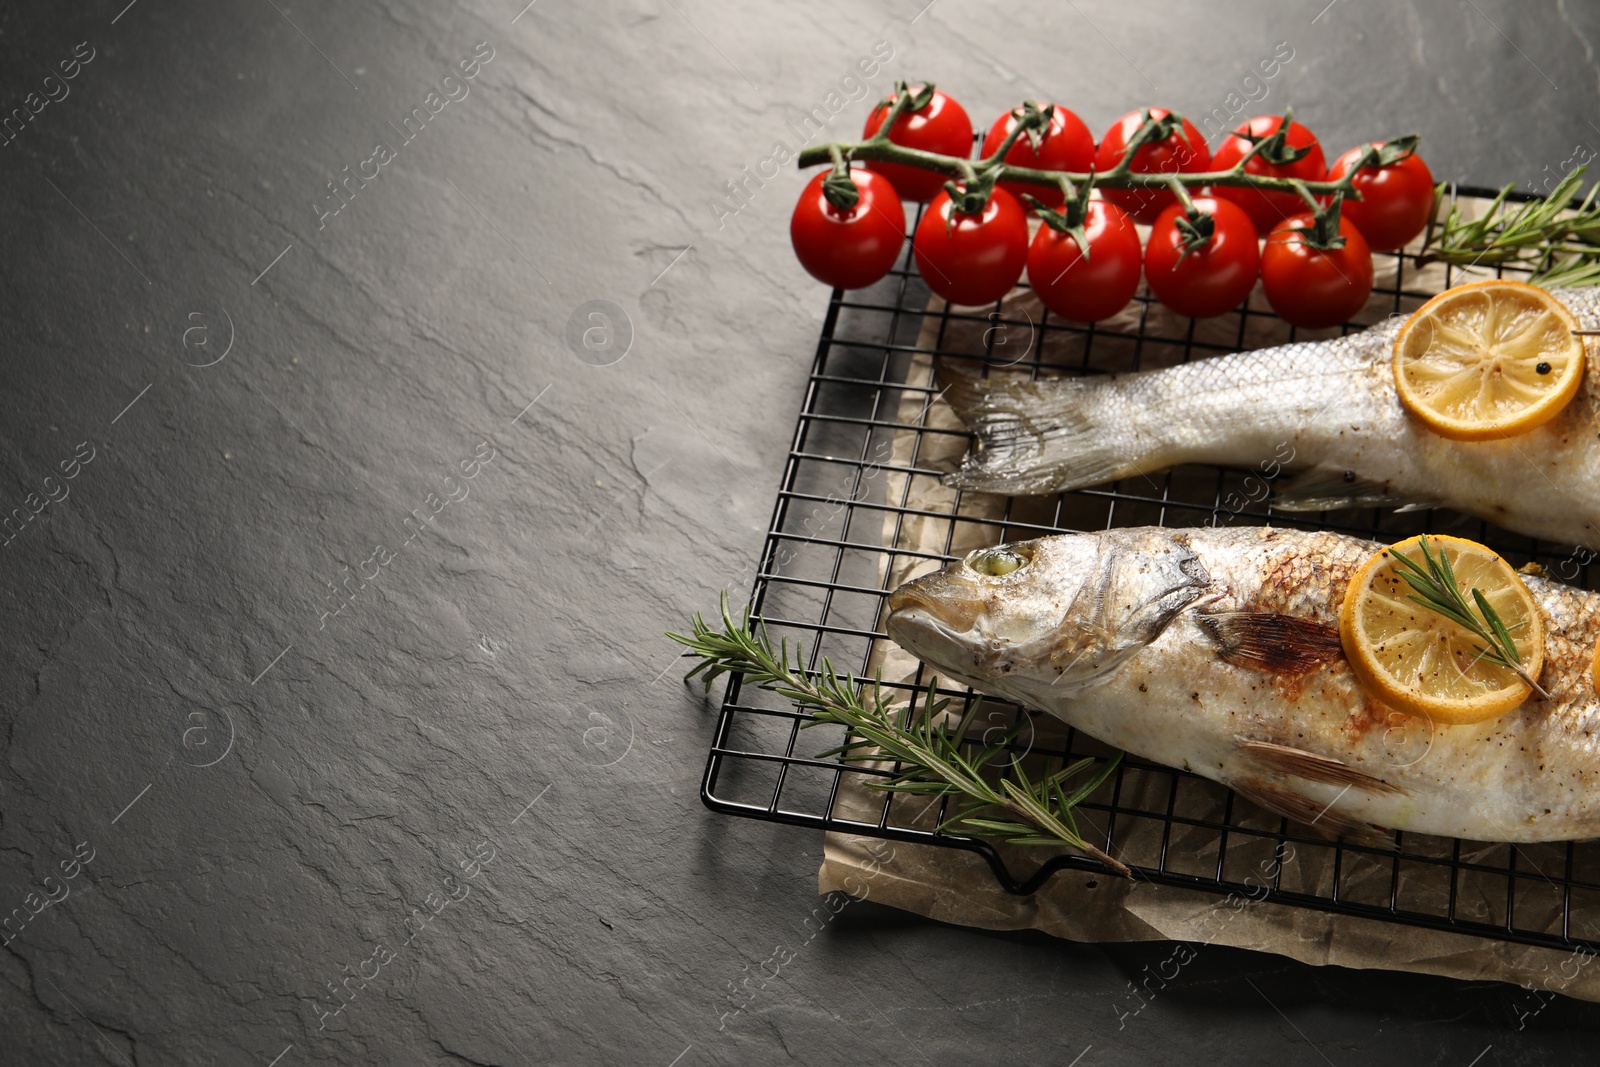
1026, 121
882, 150
1307, 196
1178, 190
902, 98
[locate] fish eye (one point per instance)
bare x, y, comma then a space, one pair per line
996, 562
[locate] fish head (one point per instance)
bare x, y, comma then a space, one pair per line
1045, 619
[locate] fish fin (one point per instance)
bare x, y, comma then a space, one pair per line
1142, 580
1324, 488
1278, 644
1281, 800
1036, 437
1298, 763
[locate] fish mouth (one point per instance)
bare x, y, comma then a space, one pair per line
932, 616
944, 598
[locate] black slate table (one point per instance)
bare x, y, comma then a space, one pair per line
338, 725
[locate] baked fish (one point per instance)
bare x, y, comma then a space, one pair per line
1217, 651
1326, 408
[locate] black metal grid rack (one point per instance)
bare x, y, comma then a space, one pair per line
823, 579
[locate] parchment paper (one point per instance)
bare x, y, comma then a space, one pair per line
958, 887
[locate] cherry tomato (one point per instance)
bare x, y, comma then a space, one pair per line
1066, 144
1267, 209
1213, 279
1087, 290
1314, 286
1396, 201
849, 249
942, 126
972, 259
1179, 153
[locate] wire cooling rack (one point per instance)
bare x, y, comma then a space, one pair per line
827, 567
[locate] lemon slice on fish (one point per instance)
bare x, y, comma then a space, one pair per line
1488, 360
1417, 660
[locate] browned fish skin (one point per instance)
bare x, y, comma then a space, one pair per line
1530, 775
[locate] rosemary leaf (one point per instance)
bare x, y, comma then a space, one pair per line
933, 759
1502, 635
1556, 238
1435, 588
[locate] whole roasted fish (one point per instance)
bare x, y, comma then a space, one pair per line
1328, 408
1217, 651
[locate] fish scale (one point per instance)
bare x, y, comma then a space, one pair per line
1327, 410
1134, 636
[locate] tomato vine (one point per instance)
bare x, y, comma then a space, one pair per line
970, 181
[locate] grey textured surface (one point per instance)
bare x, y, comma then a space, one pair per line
168, 612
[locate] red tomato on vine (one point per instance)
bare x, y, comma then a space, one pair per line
972, 258
1267, 208
849, 249
1065, 144
1182, 150
1087, 288
1396, 198
941, 125
1313, 287
1212, 278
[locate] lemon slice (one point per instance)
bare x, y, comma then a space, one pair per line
1418, 661
1488, 360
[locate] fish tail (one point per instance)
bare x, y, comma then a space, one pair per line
1035, 437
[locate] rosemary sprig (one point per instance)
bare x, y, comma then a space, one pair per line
1434, 586
1020, 811
1557, 238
